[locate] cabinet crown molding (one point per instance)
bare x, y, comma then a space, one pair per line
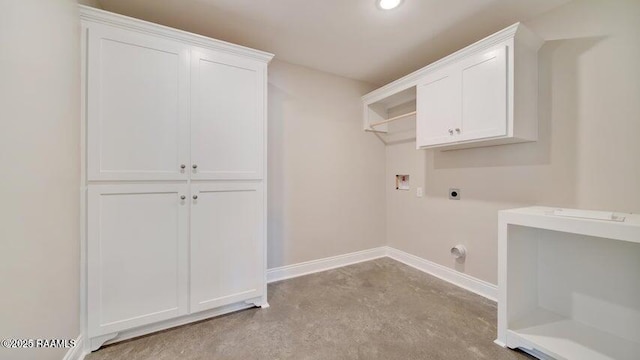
125, 22
518, 31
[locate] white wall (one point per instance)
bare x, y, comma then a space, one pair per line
39, 173
92, 3
587, 155
326, 176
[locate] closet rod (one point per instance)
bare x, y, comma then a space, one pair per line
392, 119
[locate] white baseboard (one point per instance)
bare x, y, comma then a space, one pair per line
499, 343
183, 320
76, 352
314, 266
480, 287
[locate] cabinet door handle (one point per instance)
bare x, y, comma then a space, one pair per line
458, 130
195, 166
450, 132
182, 166
195, 197
182, 197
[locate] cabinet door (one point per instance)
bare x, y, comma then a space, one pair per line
227, 117
137, 255
227, 244
137, 106
484, 95
438, 108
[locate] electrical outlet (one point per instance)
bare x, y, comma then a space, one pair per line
454, 194
419, 191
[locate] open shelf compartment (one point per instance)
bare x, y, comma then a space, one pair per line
565, 293
563, 338
380, 108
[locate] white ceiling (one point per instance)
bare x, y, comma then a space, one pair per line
351, 38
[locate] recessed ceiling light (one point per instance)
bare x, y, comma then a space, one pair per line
388, 4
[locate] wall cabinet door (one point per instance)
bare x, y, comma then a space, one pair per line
464, 101
227, 116
137, 106
484, 95
137, 255
227, 239
438, 108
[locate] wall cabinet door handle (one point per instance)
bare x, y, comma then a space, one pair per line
458, 130
182, 166
195, 166
182, 197
450, 132
195, 197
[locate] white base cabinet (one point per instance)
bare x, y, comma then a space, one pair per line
227, 243
174, 148
569, 288
137, 255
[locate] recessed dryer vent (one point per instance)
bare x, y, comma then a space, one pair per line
402, 182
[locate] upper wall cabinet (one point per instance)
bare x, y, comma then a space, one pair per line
227, 112
137, 107
161, 108
482, 95
465, 101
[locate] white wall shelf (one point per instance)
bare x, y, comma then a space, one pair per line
391, 115
569, 287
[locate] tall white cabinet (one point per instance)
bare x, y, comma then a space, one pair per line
174, 175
